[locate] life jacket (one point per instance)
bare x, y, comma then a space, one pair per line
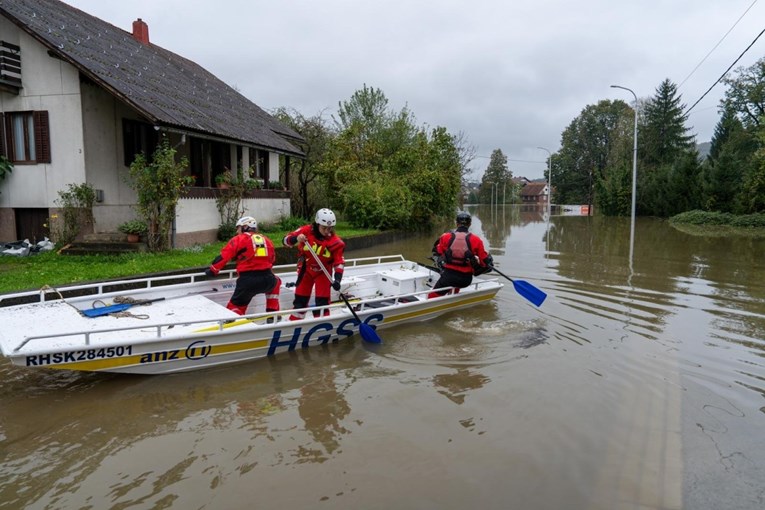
458, 251
259, 245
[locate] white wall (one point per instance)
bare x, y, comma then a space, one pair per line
104, 156
268, 211
199, 214
53, 85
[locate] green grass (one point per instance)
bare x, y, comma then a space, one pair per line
36, 271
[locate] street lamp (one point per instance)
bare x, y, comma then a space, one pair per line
549, 180
634, 169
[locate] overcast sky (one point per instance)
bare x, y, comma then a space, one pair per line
510, 75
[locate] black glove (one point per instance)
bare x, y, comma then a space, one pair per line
209, 272
336, 285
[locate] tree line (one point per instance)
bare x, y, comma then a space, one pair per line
382, 170
594, 163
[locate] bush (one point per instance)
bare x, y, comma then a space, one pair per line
379, 204
749, 220
288, 224
226, 231
717, 218
76, 205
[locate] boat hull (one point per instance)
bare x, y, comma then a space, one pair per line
191, 341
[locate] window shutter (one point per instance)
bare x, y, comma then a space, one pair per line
3, 151
42, 137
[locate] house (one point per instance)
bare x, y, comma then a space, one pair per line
535, 193
80, 97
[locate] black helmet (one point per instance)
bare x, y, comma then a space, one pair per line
463, 218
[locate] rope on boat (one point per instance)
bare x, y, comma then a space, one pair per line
127, 299
48, 288
141, 316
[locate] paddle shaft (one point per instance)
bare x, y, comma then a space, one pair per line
321, 266
501, 273
367, 332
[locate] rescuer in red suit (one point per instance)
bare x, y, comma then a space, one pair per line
320, 235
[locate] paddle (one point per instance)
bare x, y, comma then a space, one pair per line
368, 333
525, 289
119, 307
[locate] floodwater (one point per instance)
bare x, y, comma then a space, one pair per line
638, 384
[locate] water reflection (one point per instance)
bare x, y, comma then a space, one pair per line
322, 407
456, 385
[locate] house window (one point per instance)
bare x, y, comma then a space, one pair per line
208, 159
25, 137
138, 138
259, 161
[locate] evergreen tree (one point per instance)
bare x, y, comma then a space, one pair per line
496, 179
663, 135
730, 157
662, 150
751, 199
727, 124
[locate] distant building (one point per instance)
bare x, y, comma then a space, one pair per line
535, 193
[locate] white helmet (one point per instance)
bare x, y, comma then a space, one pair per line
325, 217
247, 222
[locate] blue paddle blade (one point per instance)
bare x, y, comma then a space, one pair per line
530, 292
369, 334
106, 310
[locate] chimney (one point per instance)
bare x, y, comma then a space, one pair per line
141, 31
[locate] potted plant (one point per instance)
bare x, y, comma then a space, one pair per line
223, 179
251, 184
134, 230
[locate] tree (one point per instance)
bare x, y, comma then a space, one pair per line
497, 178
730, 156
385, 171
159, 184
663, 135
746, 94
585, 157
668, 159
751, 199
307, 173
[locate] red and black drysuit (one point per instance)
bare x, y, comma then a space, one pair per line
460, 254
254, 254
330, 251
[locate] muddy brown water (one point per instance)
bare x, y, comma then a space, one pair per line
637, 384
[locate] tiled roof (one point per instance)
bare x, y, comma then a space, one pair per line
166, 88
533, 189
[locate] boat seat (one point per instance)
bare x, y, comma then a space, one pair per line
379, 304
388, 302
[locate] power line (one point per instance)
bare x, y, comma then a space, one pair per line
517, 160
716, 45
723, 74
